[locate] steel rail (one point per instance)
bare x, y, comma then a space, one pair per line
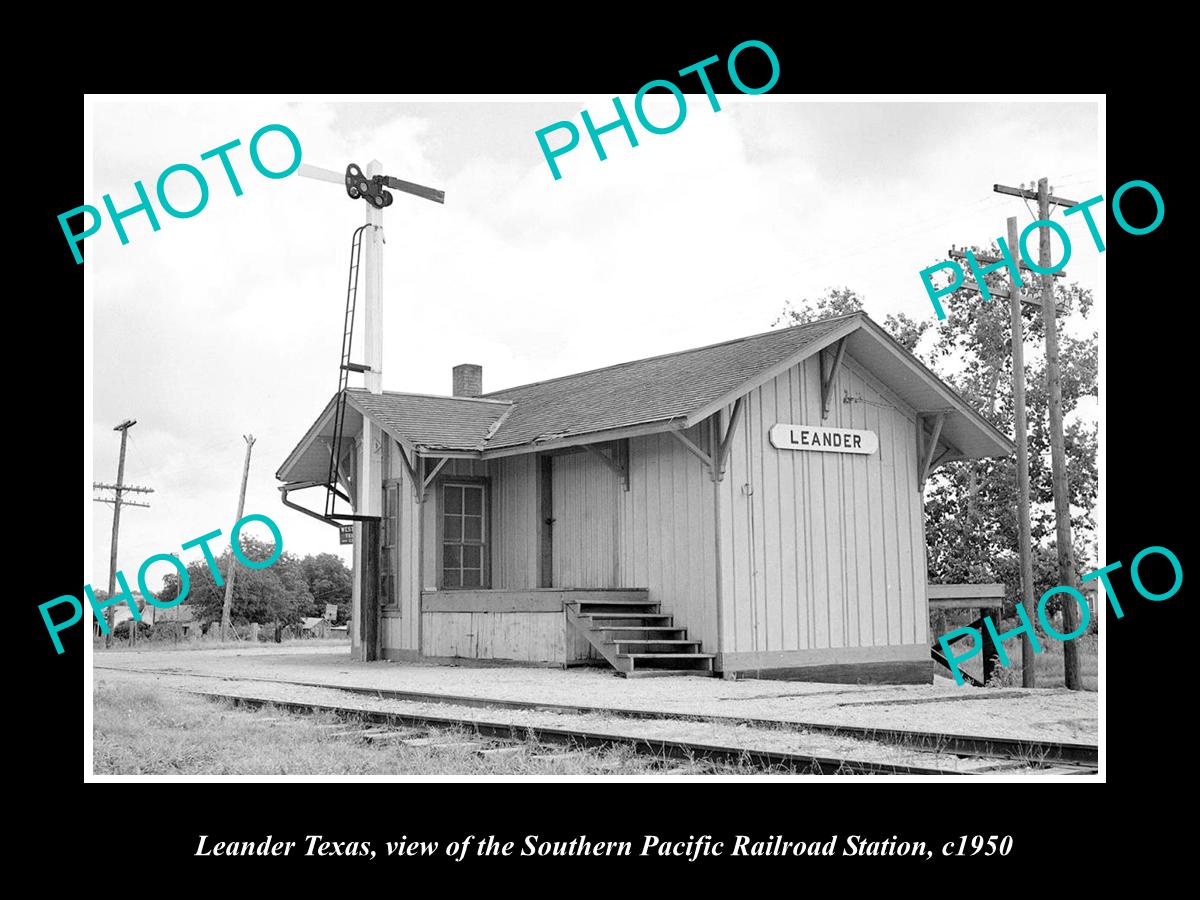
596, 740
1036, 752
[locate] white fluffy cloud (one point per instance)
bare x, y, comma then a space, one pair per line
229, 322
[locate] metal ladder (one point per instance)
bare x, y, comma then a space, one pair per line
344, 369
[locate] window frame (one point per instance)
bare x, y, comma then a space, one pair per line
392, 601
473, 481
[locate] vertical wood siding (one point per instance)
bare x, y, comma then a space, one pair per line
400, 632
666, 530
513, 529
823, 550
585, 497
514, 521
356, 565
532, 637
393, 630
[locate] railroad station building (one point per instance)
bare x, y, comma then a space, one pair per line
752, 507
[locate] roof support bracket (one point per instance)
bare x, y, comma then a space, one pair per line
615, 462
432, 475
828, 379
926, 457
727, 438
694, 450
719, 440
410, 466
343, 473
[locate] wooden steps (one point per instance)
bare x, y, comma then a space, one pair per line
654, 648
619, 620
628, 630
642, 632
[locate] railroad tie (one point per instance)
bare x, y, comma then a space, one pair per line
441, 743
500, 752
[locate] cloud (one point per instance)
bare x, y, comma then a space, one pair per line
229, 322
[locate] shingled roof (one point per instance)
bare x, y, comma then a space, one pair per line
442, 423
647, 390
672, 391
419, 420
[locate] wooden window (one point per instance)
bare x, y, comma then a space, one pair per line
464, 535
389, 535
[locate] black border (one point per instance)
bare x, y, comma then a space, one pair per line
1147, 449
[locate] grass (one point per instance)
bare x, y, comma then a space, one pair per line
1049, 671
146, 730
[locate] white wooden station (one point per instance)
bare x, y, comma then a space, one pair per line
750, 507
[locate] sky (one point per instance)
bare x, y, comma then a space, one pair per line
229, 322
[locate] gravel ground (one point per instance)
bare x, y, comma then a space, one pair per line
1055, 715
725, 735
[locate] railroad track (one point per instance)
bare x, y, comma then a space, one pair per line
578, 738
1058, 756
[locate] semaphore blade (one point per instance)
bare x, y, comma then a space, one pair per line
322, 174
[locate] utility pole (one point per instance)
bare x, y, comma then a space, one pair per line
227, 605
120, 488
1058, 456
1016, 297
1028, 664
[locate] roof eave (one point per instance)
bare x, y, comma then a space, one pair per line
851, 325
1000, 442
656, 426
952, 397
448, 452
305, 442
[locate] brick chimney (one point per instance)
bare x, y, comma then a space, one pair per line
468, 380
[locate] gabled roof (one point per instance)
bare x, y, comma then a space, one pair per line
660, 388
672, 391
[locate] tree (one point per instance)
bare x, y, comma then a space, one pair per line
834, 302
843, 301
277, 593
971, 505
907, 331
329, 581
